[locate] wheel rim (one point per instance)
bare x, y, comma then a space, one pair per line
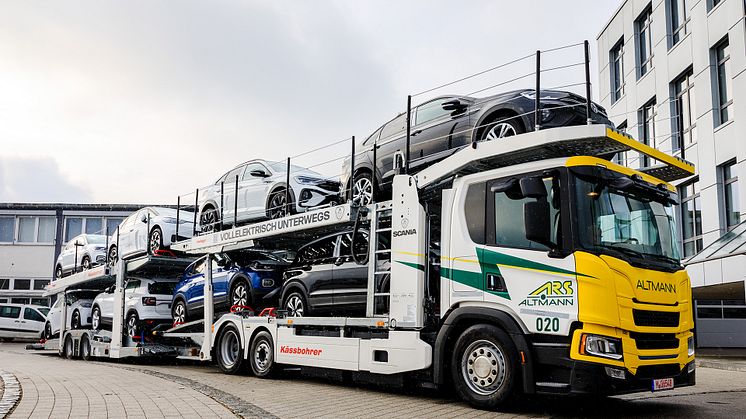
208, 219
262, 356
277, 207
155, 241
483, 367
131, 325
501, 130
179, 313
95, 319
86, 264
240, 295
48, 331
230, 349
76, 320
362, 191
59, 273
294, 306
113, 255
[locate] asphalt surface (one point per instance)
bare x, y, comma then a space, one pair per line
55, 387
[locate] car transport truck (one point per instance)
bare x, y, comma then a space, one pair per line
557, 272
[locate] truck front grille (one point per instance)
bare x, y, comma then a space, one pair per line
658, 371
655, 340
655, 318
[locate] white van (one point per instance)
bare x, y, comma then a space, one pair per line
21, 321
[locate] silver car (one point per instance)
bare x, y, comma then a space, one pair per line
149, 230
81, 253
261, 193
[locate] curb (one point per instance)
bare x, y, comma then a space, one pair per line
11, 394
721, 364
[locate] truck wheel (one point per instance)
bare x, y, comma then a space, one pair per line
48, 331
484, 366
262, 355
68, 348
85, 348
228, 353
75, 322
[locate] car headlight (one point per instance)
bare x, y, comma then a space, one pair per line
690, 346
99, 248
172, 220
306, 180
531, 95
601, 346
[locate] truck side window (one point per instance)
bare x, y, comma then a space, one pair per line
474, 210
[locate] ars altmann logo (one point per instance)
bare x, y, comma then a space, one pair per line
552, 293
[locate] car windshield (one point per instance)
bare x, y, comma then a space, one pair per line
626, 221
282, 166
161, 288
95, 239
81, 295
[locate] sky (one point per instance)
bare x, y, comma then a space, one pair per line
141, 101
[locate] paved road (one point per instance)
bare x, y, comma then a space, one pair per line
54, 387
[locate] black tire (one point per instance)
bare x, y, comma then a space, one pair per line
112, 255
85, 348
262, 355
96, 318
240, 293
75, 321
85, 263
362, 188
155, 240
228, 351
500, 127
277, 206
484, 367
68, 349
58, 272
209, 219
295, 304
48, 331
133, 324
178, 310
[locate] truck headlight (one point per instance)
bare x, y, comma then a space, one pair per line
690, 346
601, 346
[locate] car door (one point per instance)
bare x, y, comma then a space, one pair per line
391, 145
317, 278
126, 230
433, 131
229, 195
220, 273
106, 304
66, 259
10, 321
350, 279
139, 231
53, 317
253, 190
194, 293
32, 322
130, 294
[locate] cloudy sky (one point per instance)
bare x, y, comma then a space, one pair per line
139, 101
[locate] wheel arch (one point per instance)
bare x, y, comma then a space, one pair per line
460, 319
293, 286
276, 187
235, 278
500, 111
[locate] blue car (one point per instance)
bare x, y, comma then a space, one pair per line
240, 279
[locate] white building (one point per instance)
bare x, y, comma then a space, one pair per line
672, 75
32, 235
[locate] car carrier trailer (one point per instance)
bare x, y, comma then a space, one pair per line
557, 273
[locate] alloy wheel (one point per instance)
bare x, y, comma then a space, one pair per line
155, 240
112, 255
277, 205
86, 263
240, 295
500, 130
179, 313
209, 220
132, 325
96, 319
294, 306
362, 191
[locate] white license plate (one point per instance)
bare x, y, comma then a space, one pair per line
663, 384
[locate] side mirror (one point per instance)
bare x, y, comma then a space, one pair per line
452, 105
533, 187
144, 218
259, 173
537, 223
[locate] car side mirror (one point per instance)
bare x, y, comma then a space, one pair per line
537, 223
144, 218
259, 173
452, 105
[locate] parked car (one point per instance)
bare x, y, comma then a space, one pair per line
324, 278
444, 125
261, 193
149, 230
241, 279
90, 250
146, 301
21, 321
78, 312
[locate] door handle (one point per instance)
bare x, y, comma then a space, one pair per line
495, 282
419, 131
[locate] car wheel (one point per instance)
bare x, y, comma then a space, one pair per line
362, 188
277, 204
75, 322
208, 219
501, 128
48, 330
228, 352
96, 318
85, 263
58, 272
484, 366
261, 355
85, 348
240, 293
113, 253
156, 240
133, 325
179, 312
295, 305
68, 348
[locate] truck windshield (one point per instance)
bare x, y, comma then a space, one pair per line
631, 221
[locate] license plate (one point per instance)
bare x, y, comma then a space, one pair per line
663, 384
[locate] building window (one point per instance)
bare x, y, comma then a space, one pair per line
26, 229
712, 3
617, 71
22, 284
731, 206
40, 302
4, 284
112, 224
679, 20
47, 230
94, 226
684, 120
646, 117
644, 41
691, 218
621, 158
39, 284
73, 227
7, 229
19, 301
723, 87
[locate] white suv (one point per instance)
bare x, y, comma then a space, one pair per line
146, 301
78, 312
90, 250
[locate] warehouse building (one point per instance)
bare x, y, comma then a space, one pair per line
671, 74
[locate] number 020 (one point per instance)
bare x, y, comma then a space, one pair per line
547, 324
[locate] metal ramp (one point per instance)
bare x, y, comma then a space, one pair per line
585, 140
379, 261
